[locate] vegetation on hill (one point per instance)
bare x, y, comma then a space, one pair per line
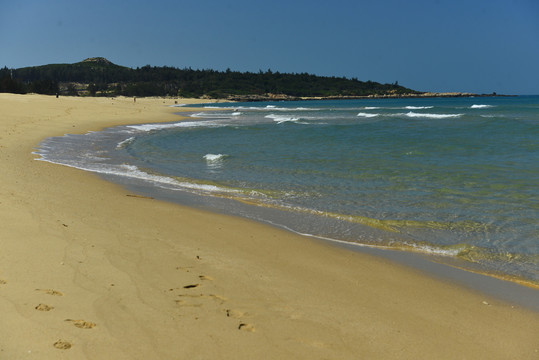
100, 77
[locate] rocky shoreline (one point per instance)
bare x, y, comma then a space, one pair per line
284, 97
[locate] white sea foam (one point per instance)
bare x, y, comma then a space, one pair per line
431, 116
215, 157
481, 106
372, 107
434, 250
134, 172
418, 107
150, 127
261, 108
181, 124
367, 115
211, 115
281, 118
276, 108
121, 144
165, 181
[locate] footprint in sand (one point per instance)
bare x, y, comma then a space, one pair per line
82, 324
246, 327
51, 292
219, 298
62, 345
185, 303
205, 278
186, 268
185, 297
234, 313
44, 307
191, 286
3, 282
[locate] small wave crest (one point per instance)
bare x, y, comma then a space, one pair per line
261, 108
418, 107
480, 106
276, 108
367, 115
412, 114
215, 115
215, 161
181, 124
279, 119
124, 143
212, 158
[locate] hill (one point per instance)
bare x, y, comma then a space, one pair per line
100, 77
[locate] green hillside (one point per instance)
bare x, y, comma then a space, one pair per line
100, 77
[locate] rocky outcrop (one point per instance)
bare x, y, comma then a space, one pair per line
284, 97
98, 60
264, 97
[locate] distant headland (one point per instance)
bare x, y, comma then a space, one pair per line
98, 76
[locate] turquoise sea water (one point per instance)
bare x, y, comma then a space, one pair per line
457, 178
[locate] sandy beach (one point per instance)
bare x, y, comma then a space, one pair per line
89, 270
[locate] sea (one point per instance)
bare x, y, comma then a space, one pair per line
454, 179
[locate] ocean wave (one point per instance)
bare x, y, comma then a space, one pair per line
214, 157
276, 108
367, 115
418, 107
125, 142
181, 124
281, 118
491, 116
481, 106
150, 127
431, 116
262, 108
214, 115
133, 172
372, 107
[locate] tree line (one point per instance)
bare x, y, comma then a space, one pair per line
100, 77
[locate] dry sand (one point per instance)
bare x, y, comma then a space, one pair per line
89, 272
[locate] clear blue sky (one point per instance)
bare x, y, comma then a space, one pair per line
430, 45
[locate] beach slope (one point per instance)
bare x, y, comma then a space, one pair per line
89, 270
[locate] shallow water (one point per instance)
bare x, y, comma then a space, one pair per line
452, 177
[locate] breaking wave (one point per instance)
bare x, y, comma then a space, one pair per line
412, 114
481, 106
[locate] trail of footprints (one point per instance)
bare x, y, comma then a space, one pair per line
186, 299
81, 324
191, 297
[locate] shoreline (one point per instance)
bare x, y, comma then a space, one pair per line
283, 97
513, 289
132, 277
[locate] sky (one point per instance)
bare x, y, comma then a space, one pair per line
479, 46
